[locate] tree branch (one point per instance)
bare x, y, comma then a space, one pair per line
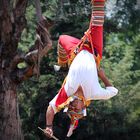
17, 59
41, 47
38, 10
12, 23
19, 21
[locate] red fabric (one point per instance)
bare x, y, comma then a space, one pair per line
88, 49
62, 97
76, 124
97, 38
68, 42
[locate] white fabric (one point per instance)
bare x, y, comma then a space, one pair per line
83, 72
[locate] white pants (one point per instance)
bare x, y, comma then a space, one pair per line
83, 72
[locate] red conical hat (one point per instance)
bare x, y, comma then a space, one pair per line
68, 42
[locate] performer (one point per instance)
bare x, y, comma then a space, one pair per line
81, 84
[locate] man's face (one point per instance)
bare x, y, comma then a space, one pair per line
77, 105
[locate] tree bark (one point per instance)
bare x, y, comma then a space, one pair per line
12, 23
9, 115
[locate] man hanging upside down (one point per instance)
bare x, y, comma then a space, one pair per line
81, 84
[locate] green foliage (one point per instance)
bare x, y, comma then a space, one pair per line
28, 35
127, 14
22, 65
118, 118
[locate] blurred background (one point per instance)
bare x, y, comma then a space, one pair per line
117, 118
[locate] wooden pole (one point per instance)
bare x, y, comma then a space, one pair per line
46, 133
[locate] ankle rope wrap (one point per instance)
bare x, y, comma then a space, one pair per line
97, 12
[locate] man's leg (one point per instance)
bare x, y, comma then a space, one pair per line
62, 97
68, 89
96, 25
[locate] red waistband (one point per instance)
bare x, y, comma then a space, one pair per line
87, 48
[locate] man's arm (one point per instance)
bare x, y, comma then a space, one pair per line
104, 93
103, 77
49, 120
49, 116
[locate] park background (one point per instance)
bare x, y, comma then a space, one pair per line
117, 118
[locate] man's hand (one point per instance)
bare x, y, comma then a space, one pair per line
49, 132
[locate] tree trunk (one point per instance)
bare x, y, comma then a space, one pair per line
9, 116
12, 23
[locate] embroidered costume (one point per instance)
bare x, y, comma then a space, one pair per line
83, 57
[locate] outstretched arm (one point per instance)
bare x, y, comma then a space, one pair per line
104, 78
49, 120
104, 93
